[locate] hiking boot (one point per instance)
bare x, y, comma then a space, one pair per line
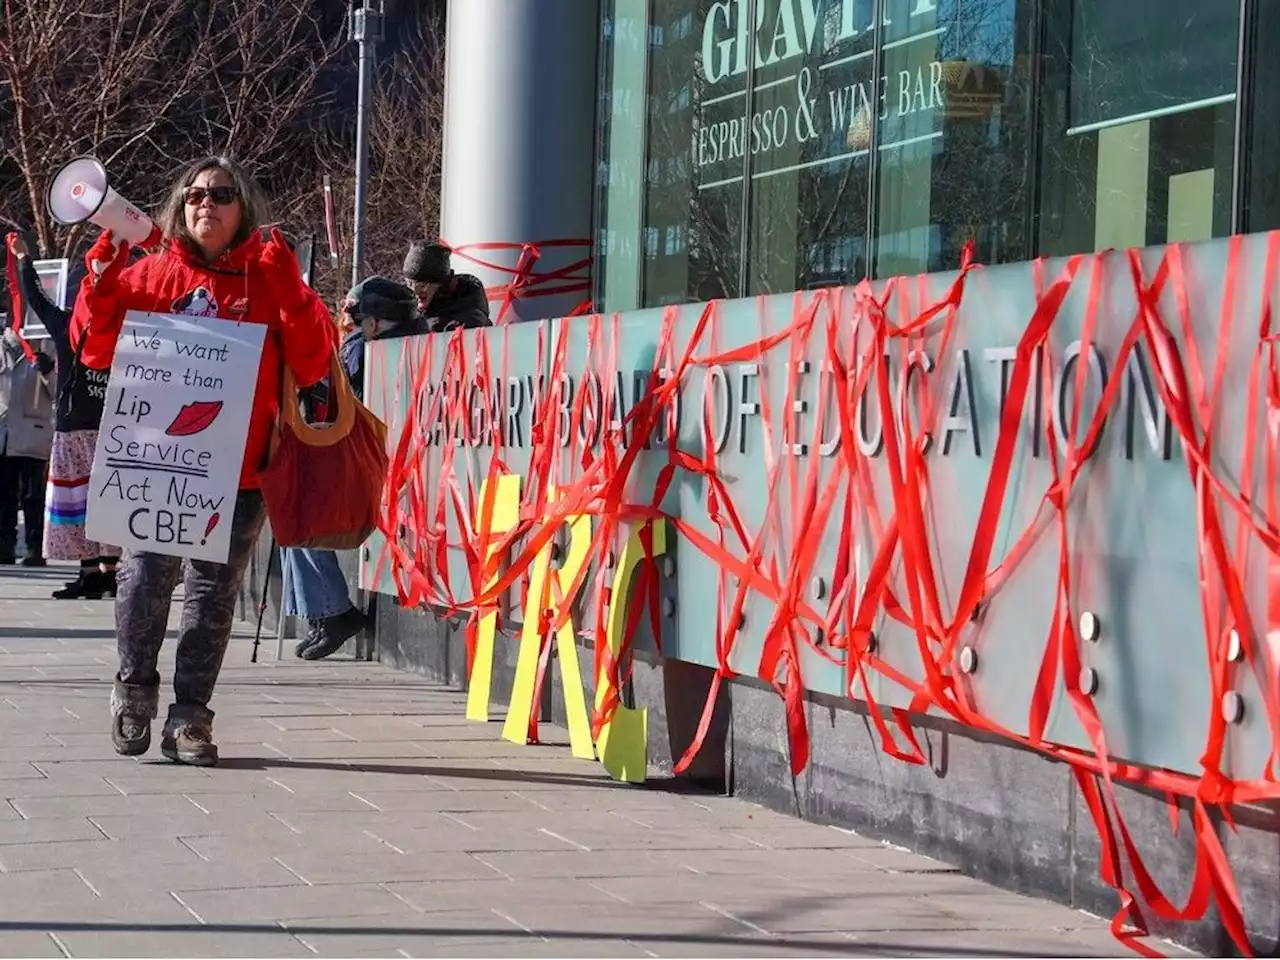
315, 635
334, 633
133, 707
188, 736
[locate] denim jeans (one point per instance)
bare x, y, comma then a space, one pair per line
317, 585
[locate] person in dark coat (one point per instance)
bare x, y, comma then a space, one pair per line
446, 299
81, 392
377, 309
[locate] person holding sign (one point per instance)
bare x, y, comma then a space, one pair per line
213, 262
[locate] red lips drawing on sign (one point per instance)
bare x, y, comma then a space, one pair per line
194, 418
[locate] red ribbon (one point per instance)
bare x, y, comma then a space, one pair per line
526, 281
17, 303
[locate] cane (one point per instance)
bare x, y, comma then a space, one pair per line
262, 601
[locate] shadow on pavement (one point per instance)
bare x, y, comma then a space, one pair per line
423, 770
853, 948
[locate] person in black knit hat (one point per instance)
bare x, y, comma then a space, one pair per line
446, 299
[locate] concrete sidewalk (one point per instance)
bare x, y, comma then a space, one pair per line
357, 814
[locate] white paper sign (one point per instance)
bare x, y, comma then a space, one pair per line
174, 427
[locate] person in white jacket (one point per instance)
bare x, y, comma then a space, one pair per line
27, 398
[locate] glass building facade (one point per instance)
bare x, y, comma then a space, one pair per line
764, 146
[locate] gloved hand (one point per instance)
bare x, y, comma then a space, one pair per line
280, 269
44, 363
106, 260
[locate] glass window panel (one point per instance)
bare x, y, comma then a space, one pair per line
619, 173
1136, 57
953, 137
1139, 123
697, 80
1262, 192
809, 137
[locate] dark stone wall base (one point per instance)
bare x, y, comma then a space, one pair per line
1000, 813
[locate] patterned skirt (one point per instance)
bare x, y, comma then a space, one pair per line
67, 498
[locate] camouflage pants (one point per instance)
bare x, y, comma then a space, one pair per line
146, 583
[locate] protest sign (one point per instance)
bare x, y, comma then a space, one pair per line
174, 427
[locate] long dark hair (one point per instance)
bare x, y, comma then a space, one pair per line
253, 204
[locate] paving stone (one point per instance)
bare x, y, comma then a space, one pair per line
447, 801
19, 771
439, 896
43, 897
803, 945
292, 903
638, 924
27, 943
195, 823
504, 949
191, 874
101, 806
383, 866
223, 848
974, 943
86, 853
414, 933
79, 786
576, 864
189, 941
24, 832
435, 840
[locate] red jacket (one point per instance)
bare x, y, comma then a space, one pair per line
235, 288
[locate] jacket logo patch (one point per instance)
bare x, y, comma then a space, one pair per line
200, 302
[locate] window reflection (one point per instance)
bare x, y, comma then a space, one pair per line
1139, 122
620, 133
693, 207
810, 130
952, 144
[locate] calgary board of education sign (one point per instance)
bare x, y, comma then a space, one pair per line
814, 96
759, 391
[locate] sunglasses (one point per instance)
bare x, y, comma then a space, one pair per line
221, 196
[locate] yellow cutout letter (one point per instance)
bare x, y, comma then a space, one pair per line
624, 741
506, 513
516, 729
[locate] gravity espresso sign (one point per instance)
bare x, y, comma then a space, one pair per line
813, 99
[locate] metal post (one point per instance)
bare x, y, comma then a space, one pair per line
365, 27
282, 620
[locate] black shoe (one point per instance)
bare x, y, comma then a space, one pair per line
188, 736
87, 586
35, 561
132, 709
335, 632
314, 637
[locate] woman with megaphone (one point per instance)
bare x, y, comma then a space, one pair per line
212, 261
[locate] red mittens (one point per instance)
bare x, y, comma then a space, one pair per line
280, 269
106, 259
